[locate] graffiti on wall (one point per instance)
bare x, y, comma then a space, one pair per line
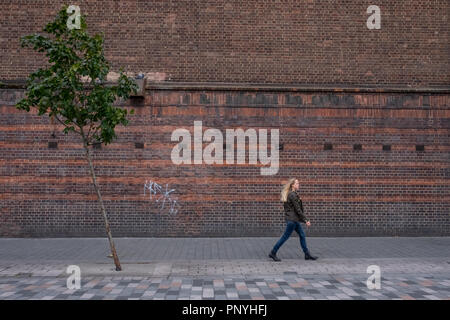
162, 196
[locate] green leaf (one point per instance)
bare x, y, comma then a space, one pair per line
58, 90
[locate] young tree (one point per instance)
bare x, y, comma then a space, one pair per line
72, 89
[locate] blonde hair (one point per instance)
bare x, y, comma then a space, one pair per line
286, 188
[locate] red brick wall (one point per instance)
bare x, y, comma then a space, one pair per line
47, 192
321, 45
252, 41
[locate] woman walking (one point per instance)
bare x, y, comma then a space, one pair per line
293, 210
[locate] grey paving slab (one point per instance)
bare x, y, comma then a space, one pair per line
166, 249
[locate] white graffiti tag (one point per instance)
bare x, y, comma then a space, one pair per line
161, 196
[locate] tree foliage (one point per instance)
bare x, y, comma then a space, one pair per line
72, 88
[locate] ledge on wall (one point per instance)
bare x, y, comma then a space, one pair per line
222, 86
337, 88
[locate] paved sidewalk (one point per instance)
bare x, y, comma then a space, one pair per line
167, 249
225, 268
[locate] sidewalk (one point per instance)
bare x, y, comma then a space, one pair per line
201, 256
225, 268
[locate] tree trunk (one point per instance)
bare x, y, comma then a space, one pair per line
108, 230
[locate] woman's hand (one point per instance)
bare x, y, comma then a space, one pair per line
308, 223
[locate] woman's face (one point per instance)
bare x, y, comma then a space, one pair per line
296, 185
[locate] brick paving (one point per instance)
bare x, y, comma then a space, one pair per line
411, 268
288, 286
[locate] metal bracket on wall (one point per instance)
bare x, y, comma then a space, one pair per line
141, 82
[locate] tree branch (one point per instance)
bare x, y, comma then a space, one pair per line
65, 124
89, 131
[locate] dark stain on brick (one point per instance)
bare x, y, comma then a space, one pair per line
248, 99
186, 99
293, 100
334, 99
394, 101
229, 99
10, 97
204, 99
316, 101
275, 99
260, 98
347, 100
237, 98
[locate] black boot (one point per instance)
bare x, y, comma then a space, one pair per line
274, 256
308, 256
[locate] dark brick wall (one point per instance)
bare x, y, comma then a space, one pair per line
346, 192
251, 41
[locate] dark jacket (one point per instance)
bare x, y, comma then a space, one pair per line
293, 208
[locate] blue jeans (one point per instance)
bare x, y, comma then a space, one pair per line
291, 226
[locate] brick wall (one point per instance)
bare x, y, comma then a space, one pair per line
371, 192
251, 41
311, 69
